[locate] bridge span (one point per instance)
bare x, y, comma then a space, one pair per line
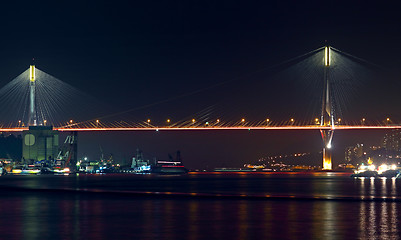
100, 129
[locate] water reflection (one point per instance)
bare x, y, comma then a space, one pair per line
33, 215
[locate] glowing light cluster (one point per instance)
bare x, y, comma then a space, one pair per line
327, 56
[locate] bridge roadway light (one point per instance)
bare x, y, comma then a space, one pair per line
218, 120
148, 120
168, 120
193, 120
243, 120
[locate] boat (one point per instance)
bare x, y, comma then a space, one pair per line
139, 164
384, 170
170, 166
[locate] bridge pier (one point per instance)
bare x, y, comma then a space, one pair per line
327, 136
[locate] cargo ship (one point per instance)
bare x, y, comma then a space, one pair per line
170, 166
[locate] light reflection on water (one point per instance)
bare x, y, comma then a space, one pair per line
48, 215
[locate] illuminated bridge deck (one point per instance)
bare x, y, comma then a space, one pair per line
66, 129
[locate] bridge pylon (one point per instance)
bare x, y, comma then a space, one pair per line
32, 85
327, 116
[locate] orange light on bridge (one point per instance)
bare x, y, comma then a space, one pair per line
388, 119
45, 122
218, 120
267, 120
148, 120
97, 121
193, 120
339, 119
168, 120
243, 120
363, 119
292, 120
71, 121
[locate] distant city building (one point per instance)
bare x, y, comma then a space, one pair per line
392, 141
39, 143
354, 153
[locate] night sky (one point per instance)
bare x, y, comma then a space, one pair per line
133, 53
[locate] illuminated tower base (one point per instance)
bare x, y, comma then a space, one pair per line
327, 136
327, 165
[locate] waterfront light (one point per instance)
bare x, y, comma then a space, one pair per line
372, 167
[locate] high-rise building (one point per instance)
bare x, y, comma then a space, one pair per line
354, 153
40, 143
392, 141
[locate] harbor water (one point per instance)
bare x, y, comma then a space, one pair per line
319, 205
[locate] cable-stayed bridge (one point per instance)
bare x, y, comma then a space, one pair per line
35, 98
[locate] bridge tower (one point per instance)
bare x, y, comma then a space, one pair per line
32, 84
327, 117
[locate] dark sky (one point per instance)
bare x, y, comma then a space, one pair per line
132, 53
